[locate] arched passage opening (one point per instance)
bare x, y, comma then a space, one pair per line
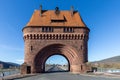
65, 50
57, 63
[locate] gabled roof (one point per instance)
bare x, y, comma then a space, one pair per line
50, 18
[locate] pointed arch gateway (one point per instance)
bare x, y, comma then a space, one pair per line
68, 52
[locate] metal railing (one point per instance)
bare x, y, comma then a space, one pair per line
7, 72
109, 70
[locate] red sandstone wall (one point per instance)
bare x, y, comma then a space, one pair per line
34, 45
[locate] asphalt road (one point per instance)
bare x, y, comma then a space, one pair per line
66, 76
55, 69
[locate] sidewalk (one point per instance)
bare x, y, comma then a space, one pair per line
102, 74
16, 76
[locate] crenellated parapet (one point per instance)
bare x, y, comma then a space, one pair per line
55, 36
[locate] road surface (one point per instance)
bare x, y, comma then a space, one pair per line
55, 69
66, 76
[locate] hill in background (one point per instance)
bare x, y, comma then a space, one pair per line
115, 59
113, 62
8, 64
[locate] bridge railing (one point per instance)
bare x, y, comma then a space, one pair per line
7, 72
108, 70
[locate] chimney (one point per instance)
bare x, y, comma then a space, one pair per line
57, 11
40, 10
72, 10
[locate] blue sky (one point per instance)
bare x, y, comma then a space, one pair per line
101, 16
57, 59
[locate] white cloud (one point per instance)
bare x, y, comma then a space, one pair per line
20, 61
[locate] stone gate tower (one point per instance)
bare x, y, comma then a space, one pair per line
51, 32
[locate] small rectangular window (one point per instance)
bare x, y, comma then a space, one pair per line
68, 29
43, 29
81, 47
31, 48
47, 29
